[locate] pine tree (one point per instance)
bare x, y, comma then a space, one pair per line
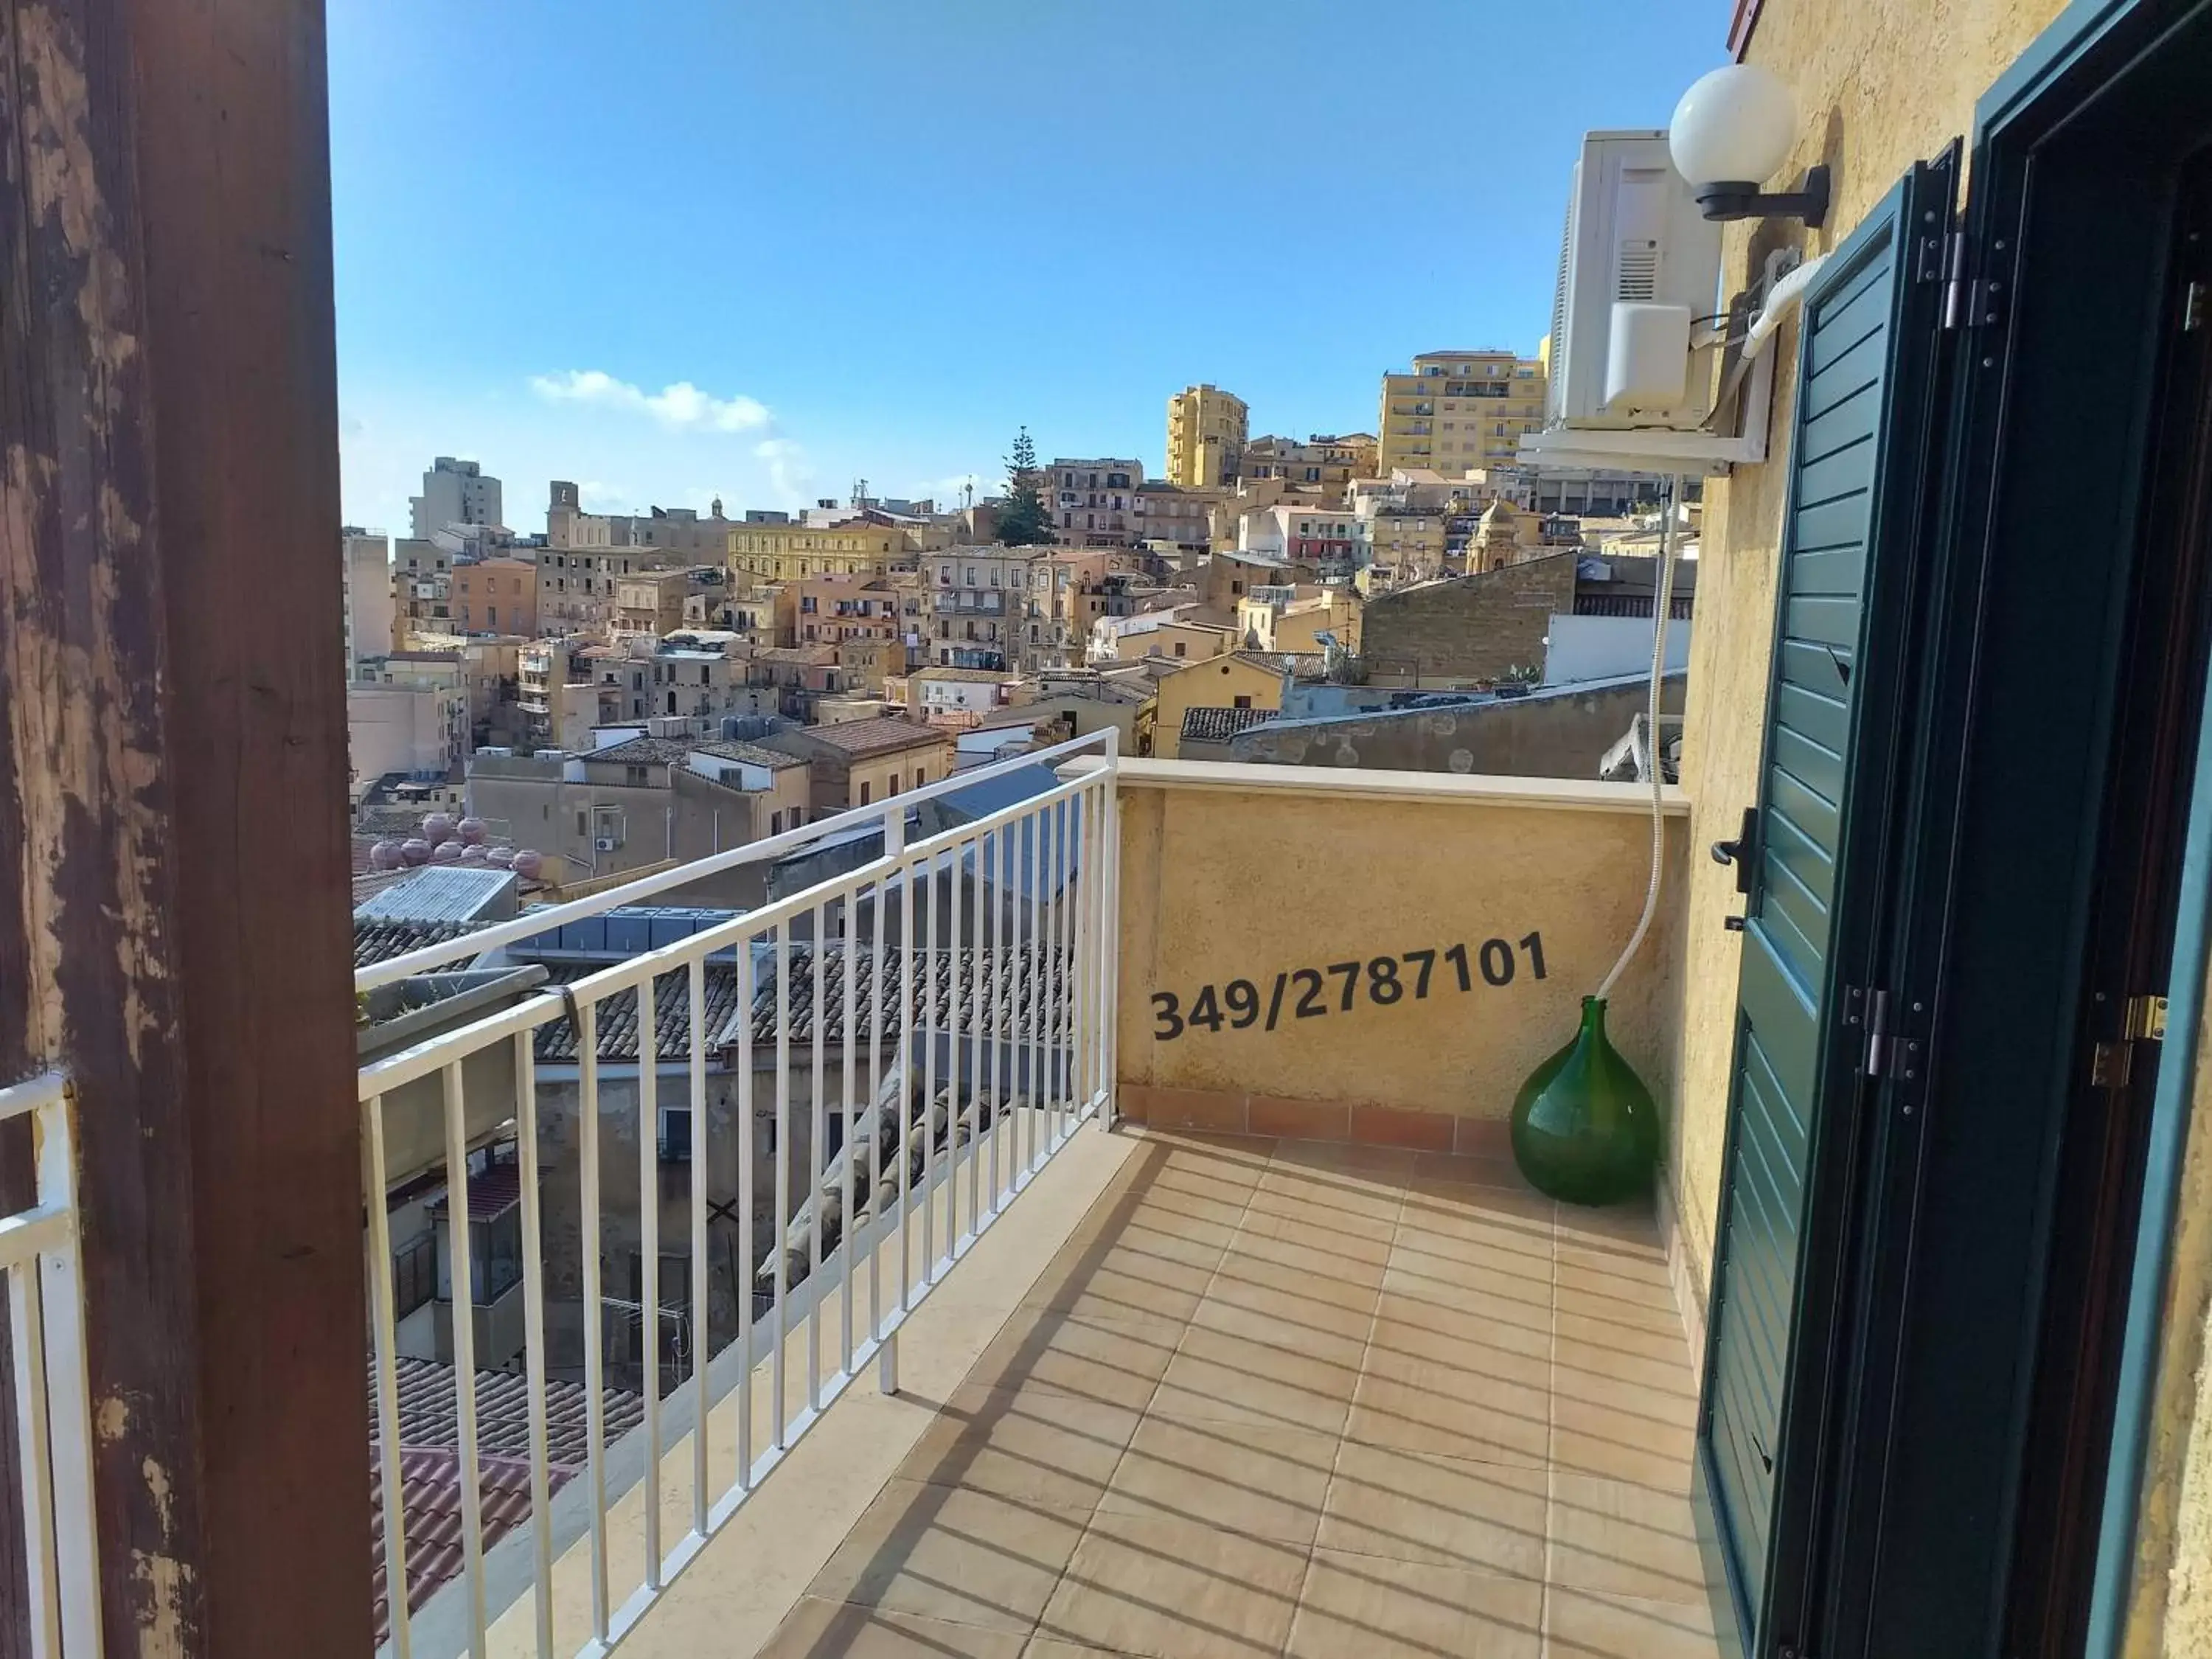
1024, 521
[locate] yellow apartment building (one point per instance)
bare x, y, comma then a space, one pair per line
1456, 410
1206, 429
792, 552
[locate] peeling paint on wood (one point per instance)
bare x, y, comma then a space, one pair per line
153, 938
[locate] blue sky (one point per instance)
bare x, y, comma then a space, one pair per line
764, 248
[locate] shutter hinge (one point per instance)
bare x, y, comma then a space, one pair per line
1891, 1048
2110, 1063
1969, 301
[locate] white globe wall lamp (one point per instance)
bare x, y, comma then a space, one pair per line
1730, 133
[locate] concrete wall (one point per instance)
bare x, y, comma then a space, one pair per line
1602, 648
397, 728
1560, 735
1472, 628
1235, 872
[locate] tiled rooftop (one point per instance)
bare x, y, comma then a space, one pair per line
429, 1464
1294, 1400
857, 738
955, 982
1219, 725
375, 941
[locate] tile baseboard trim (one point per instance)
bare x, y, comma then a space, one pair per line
1364, 1123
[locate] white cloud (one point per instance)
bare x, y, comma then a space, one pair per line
682, 405
788, 471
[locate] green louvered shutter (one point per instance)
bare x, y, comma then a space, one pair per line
1858, 483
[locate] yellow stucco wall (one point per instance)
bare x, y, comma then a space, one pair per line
2170, 1604
1215, 683
1879, 84
1221, 883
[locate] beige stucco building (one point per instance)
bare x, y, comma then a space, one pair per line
858, 762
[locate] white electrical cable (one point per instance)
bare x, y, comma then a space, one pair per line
1662, 601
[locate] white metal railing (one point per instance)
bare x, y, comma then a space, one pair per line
39, 1251
946, 1008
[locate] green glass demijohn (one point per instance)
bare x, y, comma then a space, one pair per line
1584, 1126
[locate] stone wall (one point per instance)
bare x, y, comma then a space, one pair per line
1473, 628
1559, 734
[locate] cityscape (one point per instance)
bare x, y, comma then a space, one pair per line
1503, 948
1246, 603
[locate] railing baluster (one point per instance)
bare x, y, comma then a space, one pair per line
951, 891
817, 1139
979, 1099
648, 1257
27, 1343
700, 1269
1055, 924
533, 1336
1018, 1012
595, 1403
879, 1142
1098, 873
931, 1026
383, 1334
464, 1351
779, 1245
67, 1367
909, 1015
748, 1143
994, 1064
1049, 980
1082, 836
1023, 1091
1108, 920
847, 1225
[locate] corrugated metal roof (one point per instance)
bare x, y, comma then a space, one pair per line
441, 893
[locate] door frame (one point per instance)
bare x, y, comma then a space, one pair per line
2074, 149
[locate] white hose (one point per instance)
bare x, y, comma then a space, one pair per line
1662, 601
1785, 292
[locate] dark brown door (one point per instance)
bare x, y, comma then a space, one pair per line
2101, 1163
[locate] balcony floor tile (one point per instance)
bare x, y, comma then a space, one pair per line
1272, 1400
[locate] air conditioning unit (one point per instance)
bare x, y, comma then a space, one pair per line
1639, 273
607, 843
